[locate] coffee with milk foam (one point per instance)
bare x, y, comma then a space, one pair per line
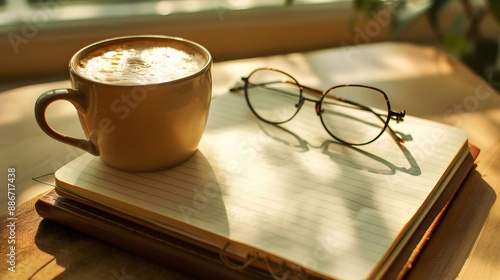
141, 63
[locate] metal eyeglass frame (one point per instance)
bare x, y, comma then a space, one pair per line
392, 115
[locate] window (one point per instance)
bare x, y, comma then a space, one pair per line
38, 37
15, 11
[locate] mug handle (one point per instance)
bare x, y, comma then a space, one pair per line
78, 100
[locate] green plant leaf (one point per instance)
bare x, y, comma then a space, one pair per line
495, 9
455, 44
455, 40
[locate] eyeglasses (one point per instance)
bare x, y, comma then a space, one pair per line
352, 114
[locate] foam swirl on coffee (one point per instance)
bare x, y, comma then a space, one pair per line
141, 63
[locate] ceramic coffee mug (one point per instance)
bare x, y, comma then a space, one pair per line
142, 101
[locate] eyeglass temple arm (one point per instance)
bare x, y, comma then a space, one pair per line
398, 117
239, 88
393, 115
236, 89
249, 85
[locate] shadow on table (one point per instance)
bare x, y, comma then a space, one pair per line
85, 257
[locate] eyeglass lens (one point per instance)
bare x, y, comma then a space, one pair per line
273, 96
354, 114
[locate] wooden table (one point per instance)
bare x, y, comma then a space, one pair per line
421, 80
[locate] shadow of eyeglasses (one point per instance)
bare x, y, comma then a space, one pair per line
339, 152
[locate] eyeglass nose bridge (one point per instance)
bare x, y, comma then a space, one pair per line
318, 108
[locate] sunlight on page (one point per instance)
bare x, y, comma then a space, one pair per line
318, 212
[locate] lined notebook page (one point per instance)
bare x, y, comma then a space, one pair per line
289, 192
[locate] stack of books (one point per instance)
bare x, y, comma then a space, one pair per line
263, 201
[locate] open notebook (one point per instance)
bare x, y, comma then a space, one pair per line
286, 194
